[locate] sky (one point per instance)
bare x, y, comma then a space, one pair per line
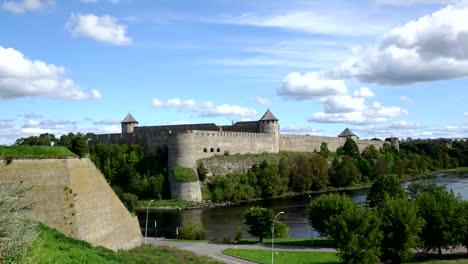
383, 68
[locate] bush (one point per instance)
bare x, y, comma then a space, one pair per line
192, 231
238, 235
130, 200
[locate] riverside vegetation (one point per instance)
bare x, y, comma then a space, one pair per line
135, 175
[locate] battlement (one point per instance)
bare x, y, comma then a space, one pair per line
228, 134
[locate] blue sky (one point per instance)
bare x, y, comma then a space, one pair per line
380, 67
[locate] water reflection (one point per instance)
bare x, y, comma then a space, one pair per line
223, 222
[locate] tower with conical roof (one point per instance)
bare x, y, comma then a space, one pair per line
269, 124
347, 133
128, 124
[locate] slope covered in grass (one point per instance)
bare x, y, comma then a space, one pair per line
53, 247
34, 152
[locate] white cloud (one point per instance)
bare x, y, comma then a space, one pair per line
19, 7
309, 21
207, 109
406, 99
364, 92
434, 47
342, 104
465, 114
21, 77
301, 130
105, 29
310, 85
263, 101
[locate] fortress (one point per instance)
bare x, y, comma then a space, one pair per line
185, 144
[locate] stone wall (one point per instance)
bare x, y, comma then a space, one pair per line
298, 143
74, 197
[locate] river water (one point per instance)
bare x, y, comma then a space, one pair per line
223, 222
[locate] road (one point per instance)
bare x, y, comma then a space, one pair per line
214, 250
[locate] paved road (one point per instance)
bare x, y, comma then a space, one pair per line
214, 250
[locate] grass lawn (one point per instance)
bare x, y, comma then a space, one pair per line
165, 203
287, 257
451, 261
53, 247
35, 152
318, 242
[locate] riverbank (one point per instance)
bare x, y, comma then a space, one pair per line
186, 205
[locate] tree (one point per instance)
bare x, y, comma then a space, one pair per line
323, 208
259, 221
300, 174
270, 181
357, 235
17, 230
440, 210
464, 229
385, 185
319, 171
350, 148
324, 151
345, 172
400, 226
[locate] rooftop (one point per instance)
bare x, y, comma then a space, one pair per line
268, 116
129, 119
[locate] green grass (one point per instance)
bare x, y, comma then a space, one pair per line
35, 152
54, 247
182, 174
165, 203
446, 261
318, 242
287, 257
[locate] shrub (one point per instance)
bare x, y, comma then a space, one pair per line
191, 231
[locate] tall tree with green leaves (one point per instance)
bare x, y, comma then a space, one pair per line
325, 207
259, 220
400, 226
386, 185
350, 148
357, 235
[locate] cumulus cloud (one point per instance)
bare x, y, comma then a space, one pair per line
21, 77
19, 7
433, 47
207, 109
105, 29
298, 86
263, 101
364, 92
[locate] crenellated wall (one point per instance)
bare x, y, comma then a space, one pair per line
299, 143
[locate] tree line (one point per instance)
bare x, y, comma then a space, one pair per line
393, 223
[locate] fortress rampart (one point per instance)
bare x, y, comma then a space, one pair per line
74, 197
186, 144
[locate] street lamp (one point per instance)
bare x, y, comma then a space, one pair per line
146, 228
273, 235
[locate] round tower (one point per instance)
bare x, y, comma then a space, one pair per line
128, 124
269, 124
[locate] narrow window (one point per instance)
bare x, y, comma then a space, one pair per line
218, 150
211, 149
205, 150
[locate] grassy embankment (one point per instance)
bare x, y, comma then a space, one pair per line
53, 247
37, 152
303, 242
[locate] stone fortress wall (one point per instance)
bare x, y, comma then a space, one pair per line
73, 196
188, 143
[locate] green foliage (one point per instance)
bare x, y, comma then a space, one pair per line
324, 151
345, 172
53, 247
385, 185
269, 180
324, 208
233, 188
7, 152
281, 230
259, 220
400, 226
238, 235
130, 200
17, 231
440, 210
201, 170
77, 144
182, 174
357, 235
192, 231
350, 148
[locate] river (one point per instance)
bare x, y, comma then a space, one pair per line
223, 222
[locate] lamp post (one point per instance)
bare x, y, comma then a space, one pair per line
311, 226
273, 235
146, 228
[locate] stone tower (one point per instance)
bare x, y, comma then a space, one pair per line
269, 124
128, 124
395, 142
347, 133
